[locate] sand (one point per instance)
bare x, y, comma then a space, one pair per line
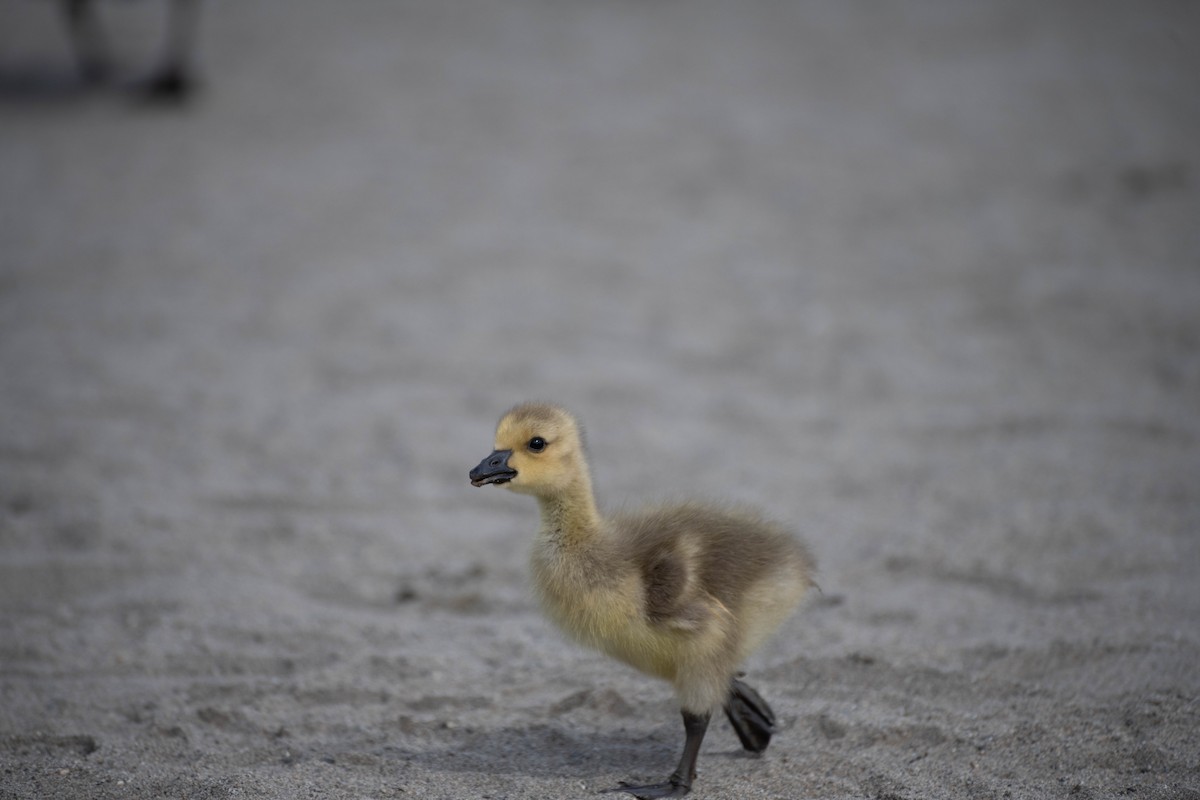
921, 281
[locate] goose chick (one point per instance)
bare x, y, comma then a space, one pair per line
684, 593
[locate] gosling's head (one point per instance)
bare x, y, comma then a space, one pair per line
538, 451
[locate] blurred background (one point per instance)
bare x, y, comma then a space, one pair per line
921, 280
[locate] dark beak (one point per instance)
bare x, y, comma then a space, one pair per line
493, 469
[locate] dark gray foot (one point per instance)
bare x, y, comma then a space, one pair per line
672, 788
169, 86
680, 782
752, 719
94, 70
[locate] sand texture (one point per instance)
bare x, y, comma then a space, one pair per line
920, 280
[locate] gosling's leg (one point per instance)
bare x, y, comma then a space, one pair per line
752, 719
680, 782
173, 81
87, 39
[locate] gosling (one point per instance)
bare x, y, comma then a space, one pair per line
684, 593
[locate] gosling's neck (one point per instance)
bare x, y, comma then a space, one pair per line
570, 516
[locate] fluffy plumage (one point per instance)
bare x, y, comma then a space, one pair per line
684, 592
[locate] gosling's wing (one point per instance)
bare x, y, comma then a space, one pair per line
670, 598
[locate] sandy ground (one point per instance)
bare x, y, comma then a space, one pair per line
921, 280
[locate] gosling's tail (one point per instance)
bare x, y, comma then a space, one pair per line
752, 719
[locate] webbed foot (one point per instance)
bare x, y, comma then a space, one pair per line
672, 788
171, 85
680, 782
752, 719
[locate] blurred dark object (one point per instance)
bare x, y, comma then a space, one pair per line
173, 82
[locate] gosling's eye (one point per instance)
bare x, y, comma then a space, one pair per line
537, 444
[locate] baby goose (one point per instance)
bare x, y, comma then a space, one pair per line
684, 593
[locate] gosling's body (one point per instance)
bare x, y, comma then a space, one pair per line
684, 593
